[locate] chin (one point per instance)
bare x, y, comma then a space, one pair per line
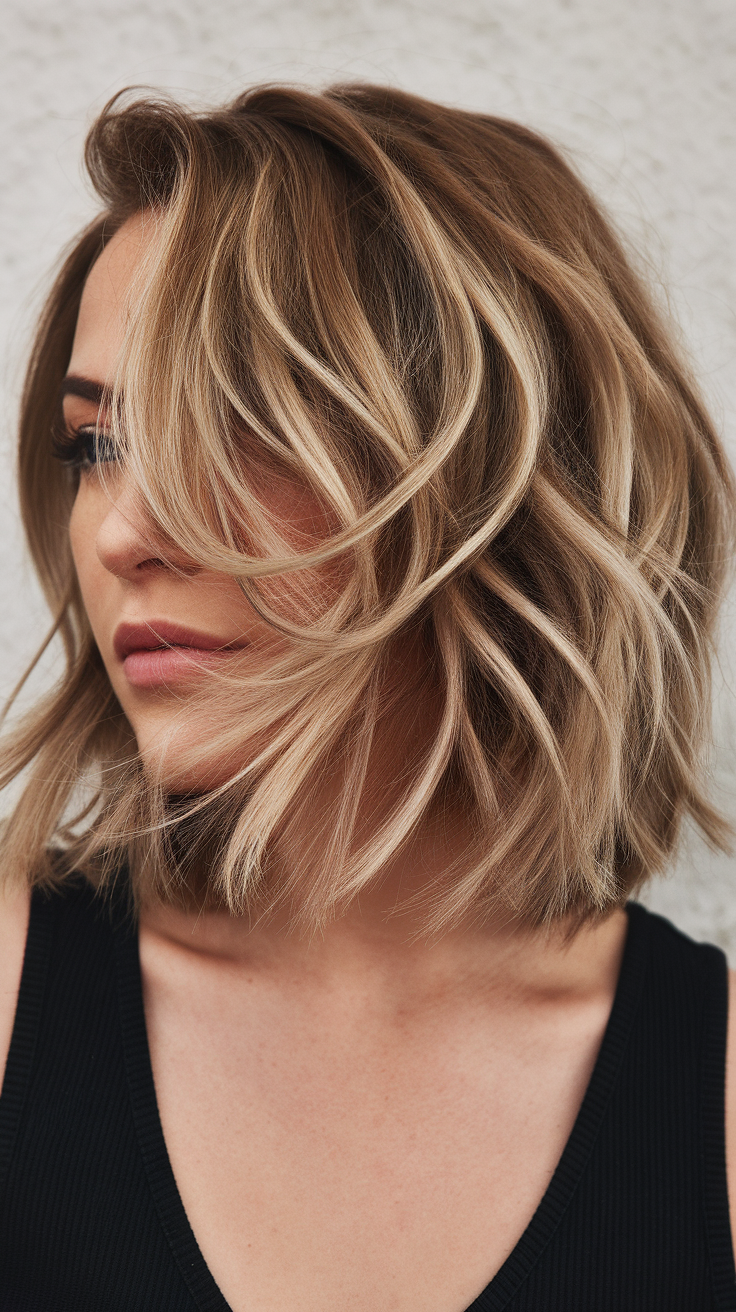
168, 773
174, 761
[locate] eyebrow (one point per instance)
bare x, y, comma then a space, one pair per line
74, 385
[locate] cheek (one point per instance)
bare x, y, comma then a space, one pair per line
84, 523
79, 531
304, 594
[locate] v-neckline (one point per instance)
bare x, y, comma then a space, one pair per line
509, 1278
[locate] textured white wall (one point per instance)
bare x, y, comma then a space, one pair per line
639, 91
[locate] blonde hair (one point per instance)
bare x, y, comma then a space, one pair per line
421, 315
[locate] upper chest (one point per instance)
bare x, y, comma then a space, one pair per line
332, 1153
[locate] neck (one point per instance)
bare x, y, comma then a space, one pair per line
381, 937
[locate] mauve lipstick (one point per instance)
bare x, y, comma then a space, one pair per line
158, 652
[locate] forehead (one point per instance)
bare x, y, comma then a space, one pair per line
105, 305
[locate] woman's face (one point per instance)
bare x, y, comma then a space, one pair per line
158, 622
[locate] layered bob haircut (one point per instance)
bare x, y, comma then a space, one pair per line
421, 315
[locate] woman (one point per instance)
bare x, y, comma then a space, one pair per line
385, 532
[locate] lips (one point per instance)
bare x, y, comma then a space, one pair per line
160, 653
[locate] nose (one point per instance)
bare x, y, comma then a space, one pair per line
127, 543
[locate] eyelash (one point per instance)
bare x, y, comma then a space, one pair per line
82, 448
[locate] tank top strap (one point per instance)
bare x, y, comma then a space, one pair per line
684, 1026
636, 1216
24, 1038
79, 1228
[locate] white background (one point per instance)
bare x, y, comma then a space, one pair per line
639, 92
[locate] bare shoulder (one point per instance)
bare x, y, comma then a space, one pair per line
14, 908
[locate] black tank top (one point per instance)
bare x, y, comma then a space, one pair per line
635, 1218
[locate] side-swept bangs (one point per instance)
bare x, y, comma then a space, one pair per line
421, 315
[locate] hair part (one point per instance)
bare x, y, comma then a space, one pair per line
421, 314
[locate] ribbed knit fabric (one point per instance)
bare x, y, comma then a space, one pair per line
635, 1218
